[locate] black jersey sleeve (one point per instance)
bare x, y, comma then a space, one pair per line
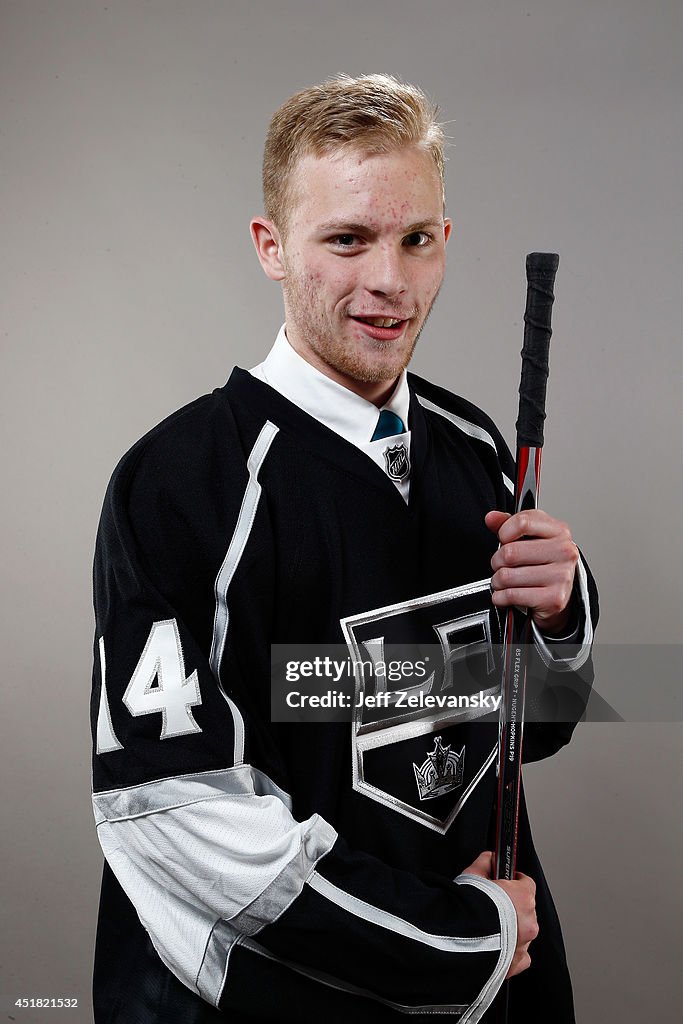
190, 796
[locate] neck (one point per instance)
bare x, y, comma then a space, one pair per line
375, 391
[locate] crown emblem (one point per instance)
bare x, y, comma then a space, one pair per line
442, 771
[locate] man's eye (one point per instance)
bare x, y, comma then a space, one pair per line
345, 241
418, 239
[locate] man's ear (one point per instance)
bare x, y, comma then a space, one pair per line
267, 242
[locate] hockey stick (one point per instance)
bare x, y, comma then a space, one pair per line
540, 272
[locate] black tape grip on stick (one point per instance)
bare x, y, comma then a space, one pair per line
541, 268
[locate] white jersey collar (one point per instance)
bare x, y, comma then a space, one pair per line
341, 410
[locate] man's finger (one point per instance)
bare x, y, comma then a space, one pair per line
521, 877
535, 552
556, 579
532, 523
549, 612
520, 963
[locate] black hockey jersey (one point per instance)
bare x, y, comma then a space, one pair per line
260, 871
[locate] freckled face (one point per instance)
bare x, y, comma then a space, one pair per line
363, 257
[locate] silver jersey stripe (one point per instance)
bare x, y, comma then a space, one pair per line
508, 943
439, 597
107, 740
318, 840
471, 429
245, 521
582, 645
384, 732
181, 790
382, 918
453, 1009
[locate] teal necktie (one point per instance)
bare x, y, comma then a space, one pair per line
388, 424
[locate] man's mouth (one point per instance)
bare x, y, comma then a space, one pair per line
379, 321
382, 328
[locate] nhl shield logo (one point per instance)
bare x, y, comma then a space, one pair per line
397, 462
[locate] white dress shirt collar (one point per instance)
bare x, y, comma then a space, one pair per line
343, 411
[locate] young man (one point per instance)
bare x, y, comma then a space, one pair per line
258, 871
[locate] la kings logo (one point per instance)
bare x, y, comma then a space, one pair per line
411, 733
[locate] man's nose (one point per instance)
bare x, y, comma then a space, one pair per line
386, 271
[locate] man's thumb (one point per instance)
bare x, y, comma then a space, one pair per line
494, 520
482, 866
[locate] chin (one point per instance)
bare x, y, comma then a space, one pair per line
372, 373
385, 373
374, 370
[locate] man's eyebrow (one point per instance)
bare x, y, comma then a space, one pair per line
339, 227
343, 227
422, 225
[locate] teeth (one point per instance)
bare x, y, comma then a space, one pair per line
379, 321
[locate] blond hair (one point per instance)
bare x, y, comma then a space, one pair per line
371, 113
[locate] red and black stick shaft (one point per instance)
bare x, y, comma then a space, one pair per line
541, 268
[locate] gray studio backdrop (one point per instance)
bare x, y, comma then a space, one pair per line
131, 137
